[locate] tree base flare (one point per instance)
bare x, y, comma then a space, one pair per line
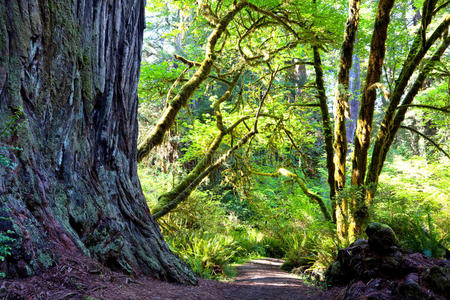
72, 68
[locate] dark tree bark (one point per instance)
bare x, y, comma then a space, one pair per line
326, 127
342, 112
376, 59
73, 68
342, 109
359, 216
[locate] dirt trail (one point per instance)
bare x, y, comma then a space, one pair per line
78, 278
263, 279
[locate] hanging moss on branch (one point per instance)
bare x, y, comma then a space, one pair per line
156, 136
182, 191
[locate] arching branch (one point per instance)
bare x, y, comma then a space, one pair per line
427, 138
184, 194
174, 85
187, 61
311, 195
442, 109
187, 90
181, 192
304, 105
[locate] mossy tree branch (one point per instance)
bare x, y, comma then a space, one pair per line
286, 173
185, 193
359, 212
365, 119
164, 199
427, 138
441, 109
187, 90
182, 191
389, 127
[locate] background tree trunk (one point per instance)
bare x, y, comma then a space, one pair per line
73, 66
354, 89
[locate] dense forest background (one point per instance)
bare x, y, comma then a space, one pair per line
175, 138
253, 152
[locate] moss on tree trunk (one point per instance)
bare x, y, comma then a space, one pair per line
73, 66
326, 126
359, 213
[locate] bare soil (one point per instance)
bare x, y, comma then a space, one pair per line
78, 277
263, 279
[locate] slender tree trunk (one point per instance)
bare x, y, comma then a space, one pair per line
385, 138
364, 124
342, 111
73, 66
326, 125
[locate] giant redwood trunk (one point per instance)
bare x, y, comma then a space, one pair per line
72, 67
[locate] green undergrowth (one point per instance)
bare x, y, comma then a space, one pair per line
214, 230
201, 231
271, 217
413, 198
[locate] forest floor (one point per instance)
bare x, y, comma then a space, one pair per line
80, 278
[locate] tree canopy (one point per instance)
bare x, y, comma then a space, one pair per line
278, 78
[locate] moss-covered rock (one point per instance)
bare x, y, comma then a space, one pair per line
382, 270
381, 237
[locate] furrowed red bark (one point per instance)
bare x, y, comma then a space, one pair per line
72, 67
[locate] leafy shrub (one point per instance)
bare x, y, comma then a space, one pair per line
312, 245
415, 204
208, 255
251, 241
201, 230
